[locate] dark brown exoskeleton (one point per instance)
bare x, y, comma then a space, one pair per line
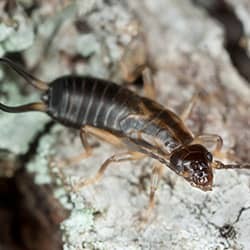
116, 114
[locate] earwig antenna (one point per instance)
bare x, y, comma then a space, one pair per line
36, 106
28, 77
220, 165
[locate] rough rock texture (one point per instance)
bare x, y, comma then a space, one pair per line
185, 46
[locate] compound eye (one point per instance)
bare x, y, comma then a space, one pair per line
209, 157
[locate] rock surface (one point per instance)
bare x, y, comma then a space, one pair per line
184, 46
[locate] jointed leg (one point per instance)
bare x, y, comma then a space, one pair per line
104, 135
133, 60
188, 109
148, 84
210, 139
142, 218
88, 149
127, 156
217, 140
155, 180
83, 155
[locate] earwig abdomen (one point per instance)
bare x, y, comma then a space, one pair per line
78, 101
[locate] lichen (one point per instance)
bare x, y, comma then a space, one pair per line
87, 45
18, 34
40, 164
5, 31
77, 224
80, 218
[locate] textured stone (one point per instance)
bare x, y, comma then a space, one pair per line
185, 49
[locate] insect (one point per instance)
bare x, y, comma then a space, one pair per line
118, 115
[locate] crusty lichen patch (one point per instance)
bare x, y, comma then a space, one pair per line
78, 224
17, 32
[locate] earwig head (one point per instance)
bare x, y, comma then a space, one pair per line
194, 163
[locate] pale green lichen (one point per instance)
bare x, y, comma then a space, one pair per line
48, 27
81, 218
77, 224
40, 164
5, 31
87, 45
18, 36
86, 6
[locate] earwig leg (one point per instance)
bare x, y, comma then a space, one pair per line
135, 135
208, 139
133, 60
104, 135
148, 84
127, 156
88, 149
211, 139
155, 180
142, 218
189, 108
75, 159
130, 77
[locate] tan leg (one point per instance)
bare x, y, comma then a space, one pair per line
142, 218
188, 109
205, 139
127, 156
133, 59
130, 77
108, 137
148, 81
104, 135
155, 180
148, 84
218, 142
75, 159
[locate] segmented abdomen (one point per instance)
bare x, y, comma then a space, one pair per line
78, 101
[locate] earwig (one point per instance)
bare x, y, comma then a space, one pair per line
117, 114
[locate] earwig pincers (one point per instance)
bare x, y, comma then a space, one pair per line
118, 115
